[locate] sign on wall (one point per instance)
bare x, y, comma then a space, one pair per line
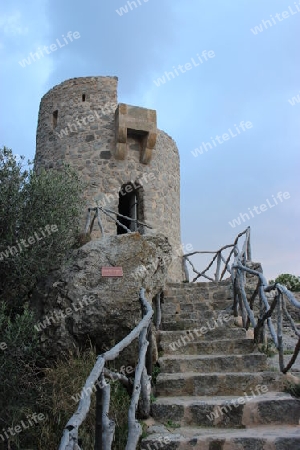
111, 271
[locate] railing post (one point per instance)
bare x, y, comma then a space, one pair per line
249, 252
217, 274
134, 427
235, 296
279, 332
98, 427
144, 402
93, 220
149, 363
100, 222
88, 221
185, 270
158, 311
262, 331
107, 427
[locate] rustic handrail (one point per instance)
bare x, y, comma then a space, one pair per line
69, 440
278, 308
238, 271
219, 258
108, 213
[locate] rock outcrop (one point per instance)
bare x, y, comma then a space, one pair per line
76, 304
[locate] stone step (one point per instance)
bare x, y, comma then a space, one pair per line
215, 383
228, 412
191, 321
199, 292
193, 314
199, 302
184, 324
209, 314
253, 362
178, 325
226, 347
196, 438
188, 288
183, 337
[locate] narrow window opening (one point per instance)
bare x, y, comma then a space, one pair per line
83, 97
131, 205
55, 116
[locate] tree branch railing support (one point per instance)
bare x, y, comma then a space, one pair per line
238, 271
105, 427
219, 258
110, 214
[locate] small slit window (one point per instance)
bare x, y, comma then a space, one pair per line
83, 97
55, 116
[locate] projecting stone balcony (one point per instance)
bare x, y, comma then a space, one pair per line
140, 123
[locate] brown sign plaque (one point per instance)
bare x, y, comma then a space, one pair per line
112, 271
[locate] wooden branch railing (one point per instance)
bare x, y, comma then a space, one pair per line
219, 258
278, 308
141, 391
110, 214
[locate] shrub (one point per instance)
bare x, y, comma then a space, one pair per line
39, 223
67, 379
30, 204
292, 282
20, 388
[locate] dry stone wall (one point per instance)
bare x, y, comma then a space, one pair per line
77, 125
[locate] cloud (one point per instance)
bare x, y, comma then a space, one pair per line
11, 25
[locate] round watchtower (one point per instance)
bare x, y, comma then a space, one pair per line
128, 165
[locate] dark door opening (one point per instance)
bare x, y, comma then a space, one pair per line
130, 205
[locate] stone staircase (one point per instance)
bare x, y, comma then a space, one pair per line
215, 391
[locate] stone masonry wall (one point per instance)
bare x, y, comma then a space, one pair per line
77, 125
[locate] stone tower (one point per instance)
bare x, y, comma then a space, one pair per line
129, 165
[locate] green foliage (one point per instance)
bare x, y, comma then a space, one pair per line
24, 391
144, 430
293, 389
172, 424
20, 388
28, 251
268, 349
155, 372
67, 379
292, 282
152, 398
28, 203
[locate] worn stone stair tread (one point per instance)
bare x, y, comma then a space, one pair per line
205, 314
245, 411
262, 430
206, 357
190, 330
215, 383
189, 322
227, 346
253, 362
166, 333
174, 335
187, 400
178, 375
269, 437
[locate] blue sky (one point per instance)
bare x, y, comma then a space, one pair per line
251, 78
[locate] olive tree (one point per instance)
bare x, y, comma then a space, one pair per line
39, 223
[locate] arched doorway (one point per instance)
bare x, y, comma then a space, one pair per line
131, 205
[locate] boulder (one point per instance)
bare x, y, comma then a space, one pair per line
76, 306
